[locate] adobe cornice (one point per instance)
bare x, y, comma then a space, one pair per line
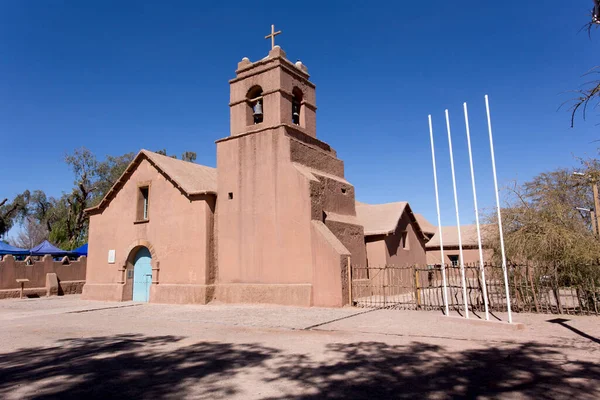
269, 63
289, 130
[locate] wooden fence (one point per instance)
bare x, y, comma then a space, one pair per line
532, 288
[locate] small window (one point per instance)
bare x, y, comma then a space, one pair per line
230, 195
453, 260
344, 190
142, 211
405, 244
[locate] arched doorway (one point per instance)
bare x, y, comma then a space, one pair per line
142, 274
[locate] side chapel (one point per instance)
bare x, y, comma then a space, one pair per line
275, 222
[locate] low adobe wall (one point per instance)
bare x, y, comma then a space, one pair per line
63, 279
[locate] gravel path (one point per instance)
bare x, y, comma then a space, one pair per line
69, 348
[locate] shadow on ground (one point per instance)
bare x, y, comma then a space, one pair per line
137, 366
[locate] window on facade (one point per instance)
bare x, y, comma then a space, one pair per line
453, 260
405, 244
142, 208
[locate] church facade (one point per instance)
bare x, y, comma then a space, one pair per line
275, 222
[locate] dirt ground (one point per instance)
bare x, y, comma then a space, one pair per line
70, 348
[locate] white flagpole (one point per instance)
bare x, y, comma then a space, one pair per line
487, 108
481, 265
437, 204
462, 264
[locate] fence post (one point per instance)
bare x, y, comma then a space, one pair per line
350, 283
517, 289
385, 269
556, 290
417, 294
594, 301
530, 276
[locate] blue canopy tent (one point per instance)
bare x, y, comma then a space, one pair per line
15, 251
47, 248
81, 251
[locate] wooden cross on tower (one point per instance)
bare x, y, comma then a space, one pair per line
272, 36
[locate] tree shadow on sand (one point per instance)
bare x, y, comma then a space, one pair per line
137, 366
126, 366
369, 370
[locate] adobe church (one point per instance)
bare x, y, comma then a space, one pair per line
275, 222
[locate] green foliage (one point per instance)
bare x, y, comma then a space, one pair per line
12, 212
542, 224
189, 156
63, 220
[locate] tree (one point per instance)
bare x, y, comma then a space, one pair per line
542, 225
68, 222
108, 173
32, 233
590, 93
542, 222
163, 152
189, 156
13, 211
63, 220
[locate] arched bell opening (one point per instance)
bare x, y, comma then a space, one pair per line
296, 106
255, 113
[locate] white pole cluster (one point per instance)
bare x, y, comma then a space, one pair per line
487, 109
460, 249
481, 263
481, 260
437, 204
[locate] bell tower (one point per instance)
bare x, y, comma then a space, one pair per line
271, 93
285, 215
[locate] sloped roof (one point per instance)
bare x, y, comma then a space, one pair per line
426, 226
468, 236
382, 219
190, 178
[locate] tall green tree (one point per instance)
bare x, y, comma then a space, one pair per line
13, 211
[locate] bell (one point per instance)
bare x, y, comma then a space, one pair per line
258, 109
258, 113
295, 114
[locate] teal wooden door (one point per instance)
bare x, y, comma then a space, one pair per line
142, 275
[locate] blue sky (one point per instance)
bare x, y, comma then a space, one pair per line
118, 76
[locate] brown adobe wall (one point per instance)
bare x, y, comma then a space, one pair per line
71, 277
414, 254
352, 237
267, 237
315, 158
470, 255
11, 270
177, 233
